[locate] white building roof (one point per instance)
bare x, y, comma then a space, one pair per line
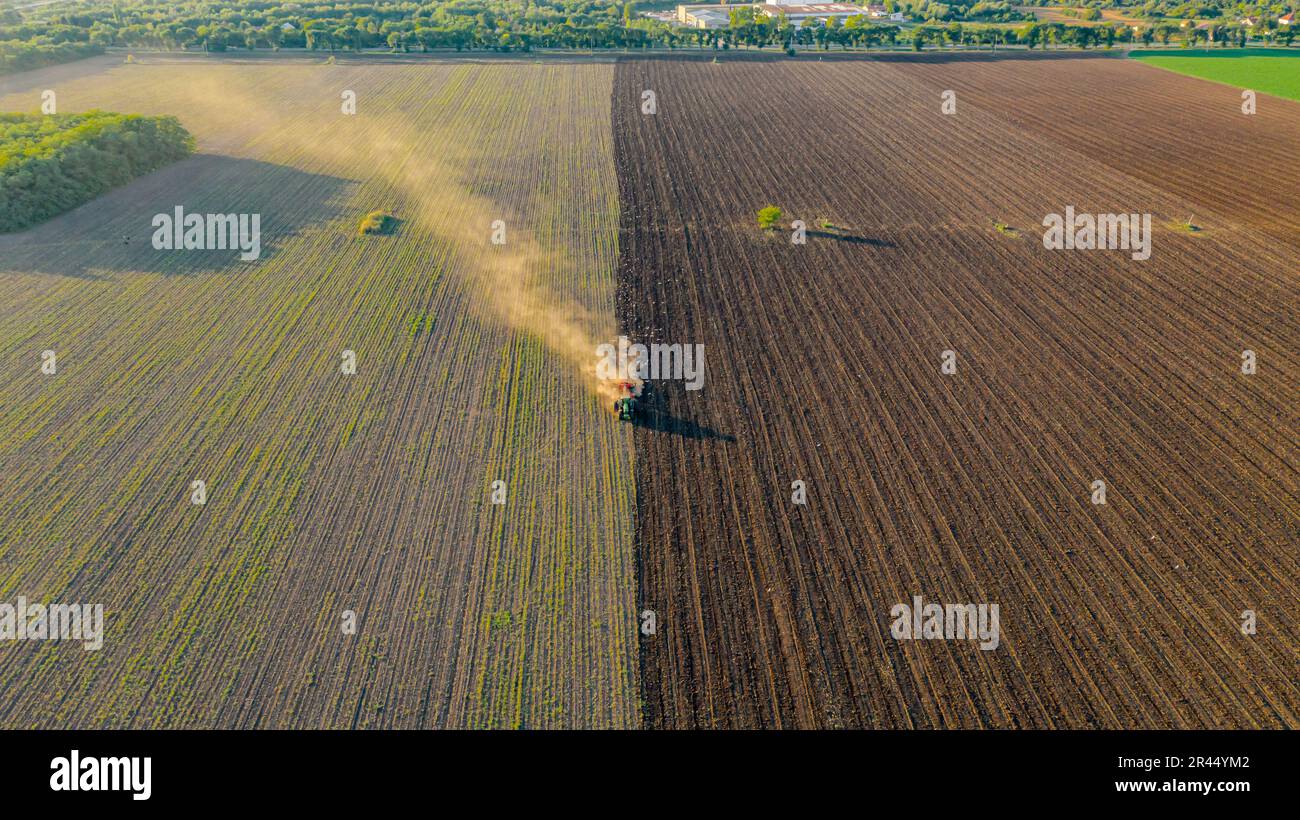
812, 9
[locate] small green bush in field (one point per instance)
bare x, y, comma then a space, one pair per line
377, 222
768, 216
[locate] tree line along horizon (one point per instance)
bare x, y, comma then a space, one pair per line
45, 35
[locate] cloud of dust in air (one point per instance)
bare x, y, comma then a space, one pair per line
431, 166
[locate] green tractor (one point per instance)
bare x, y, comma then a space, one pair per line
625, 406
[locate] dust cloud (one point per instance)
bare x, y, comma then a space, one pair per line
431, 170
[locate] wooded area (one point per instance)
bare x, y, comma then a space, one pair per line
51, 164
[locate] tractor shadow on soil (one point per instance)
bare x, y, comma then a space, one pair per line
661, 421
851, 239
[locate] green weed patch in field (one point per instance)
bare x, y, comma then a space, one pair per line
377, 223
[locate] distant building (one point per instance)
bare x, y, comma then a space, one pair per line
705, 16
801, 14
876, 10
1286, 19
797, 13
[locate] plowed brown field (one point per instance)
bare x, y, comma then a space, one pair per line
823, 366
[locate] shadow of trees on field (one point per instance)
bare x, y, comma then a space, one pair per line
806, 55
36, 80
1220, 52
113, 233
850, 239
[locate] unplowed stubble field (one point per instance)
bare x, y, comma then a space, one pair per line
327, 493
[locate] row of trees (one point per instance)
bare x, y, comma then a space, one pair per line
507, 25
1180, 9
1190, 9
16, 55
51, 164
750, 30
984, 11
325, 24
1057, 35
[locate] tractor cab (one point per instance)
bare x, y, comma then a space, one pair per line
625, 406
